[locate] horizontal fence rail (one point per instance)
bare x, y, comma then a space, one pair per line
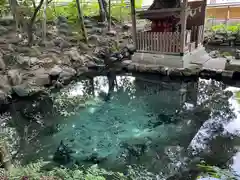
158, 42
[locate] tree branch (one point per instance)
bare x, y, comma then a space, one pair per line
34, 4
50, 1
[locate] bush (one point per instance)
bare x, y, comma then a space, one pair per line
222, 27
36, 171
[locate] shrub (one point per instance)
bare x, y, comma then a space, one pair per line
38, 170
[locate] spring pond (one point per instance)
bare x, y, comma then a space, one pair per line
159, 126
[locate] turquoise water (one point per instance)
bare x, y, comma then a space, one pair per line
158, 125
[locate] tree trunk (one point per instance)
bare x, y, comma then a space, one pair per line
32, 20
45, 21
102, 11
81, 21
13, 6
109, 15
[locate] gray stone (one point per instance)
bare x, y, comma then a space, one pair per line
75, 56
61, 19
2, 63
65, 44
23, 60
41, 80
163, 71
126, 26
6, 21
174, 72
4, 83
237, 55
111, 33
55, 71
3, 97
81, 70
49, 44
33, 60
214, 54
187, 72
88, 26
95, 30
26, 89
102, 24
66, 74
87, 21
126, 35
227, 74
3, 30
93, 39
15, 77
83, 46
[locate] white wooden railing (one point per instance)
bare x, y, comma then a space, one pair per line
158, 42
169, 42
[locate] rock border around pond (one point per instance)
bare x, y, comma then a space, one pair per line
192, 72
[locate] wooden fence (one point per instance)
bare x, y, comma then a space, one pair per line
200, 35
158, 42
197, 35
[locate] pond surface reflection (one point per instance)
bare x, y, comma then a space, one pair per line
158, 125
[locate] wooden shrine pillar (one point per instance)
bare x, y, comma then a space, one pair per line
183, 22
134, 28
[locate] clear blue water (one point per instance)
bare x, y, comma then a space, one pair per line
162, 126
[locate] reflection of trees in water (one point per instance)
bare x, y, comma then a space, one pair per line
212, 143
181, 128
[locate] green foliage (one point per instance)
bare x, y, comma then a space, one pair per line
36, 170
120, 11
223, 27
3, 7
225, 54
216, 172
